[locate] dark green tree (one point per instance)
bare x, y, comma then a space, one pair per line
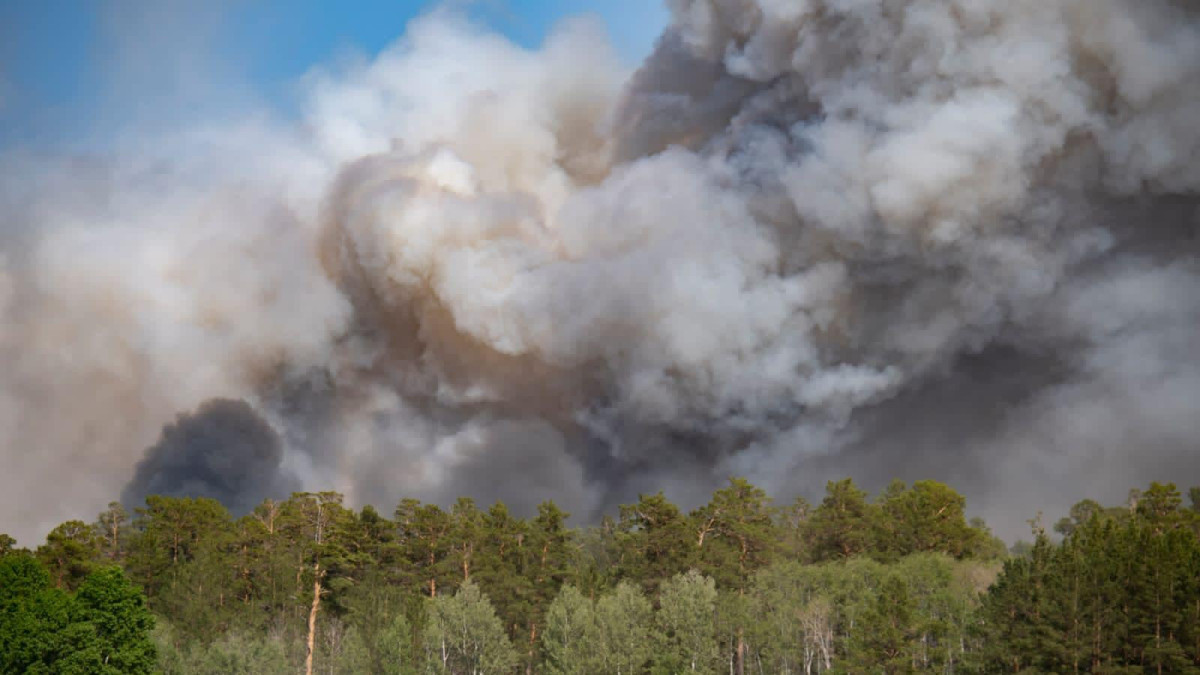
928, 517
656, 541
423, 532
70, 553
117, 611
882, 640
842, 526
169, 532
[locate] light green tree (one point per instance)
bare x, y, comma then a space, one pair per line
686, 630
379, 638
235, 653
464, 636
624, 618
572, 641
393, 648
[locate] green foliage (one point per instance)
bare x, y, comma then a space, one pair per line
901, 583
33, 615
7, 544
112, 531
736, 534
927, 517
1120, 594
841, 527
424, 531
572, 640
624, 619
70, 553
656, 541
391, 650
170, 532
884, 633
379, 634
117, 610
464, 635
685, 625
234, 653
611, 635
103, 629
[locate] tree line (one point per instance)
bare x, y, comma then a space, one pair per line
900, 583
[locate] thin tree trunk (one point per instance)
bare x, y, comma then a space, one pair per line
312, 618
741, 652
532, 645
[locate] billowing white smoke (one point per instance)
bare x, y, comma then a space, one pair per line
805, 239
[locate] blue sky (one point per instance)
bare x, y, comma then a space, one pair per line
74, 70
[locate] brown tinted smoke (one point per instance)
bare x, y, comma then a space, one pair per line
805, 239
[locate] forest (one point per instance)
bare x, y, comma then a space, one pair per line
899, 583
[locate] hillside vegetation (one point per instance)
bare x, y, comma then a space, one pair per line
896, 584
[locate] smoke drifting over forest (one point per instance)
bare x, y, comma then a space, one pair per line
805, 239
224, 451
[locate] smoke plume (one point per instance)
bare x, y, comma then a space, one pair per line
903, 238
224, 451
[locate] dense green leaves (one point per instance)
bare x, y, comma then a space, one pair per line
899, 583
103, 629
70, 553
1120, 594
117, 610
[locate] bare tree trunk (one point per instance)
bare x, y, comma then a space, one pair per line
312, 618
532, 646
741, 652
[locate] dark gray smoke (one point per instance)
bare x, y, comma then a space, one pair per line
224, 451
908, 238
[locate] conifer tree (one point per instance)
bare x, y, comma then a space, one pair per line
655, 540
841, 527
70, 553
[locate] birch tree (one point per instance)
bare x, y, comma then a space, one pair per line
686, 625
464, 636
572, 640
624, 619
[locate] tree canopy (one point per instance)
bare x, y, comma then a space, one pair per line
902, 582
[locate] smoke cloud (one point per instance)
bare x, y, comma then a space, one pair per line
907, 238
224, 451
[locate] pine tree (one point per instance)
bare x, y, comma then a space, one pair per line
549, 549
423, 532
655, 540
505, 573
169, 532
736, 536
928, 517
841, 527
882, 640
112, 525
70, 553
